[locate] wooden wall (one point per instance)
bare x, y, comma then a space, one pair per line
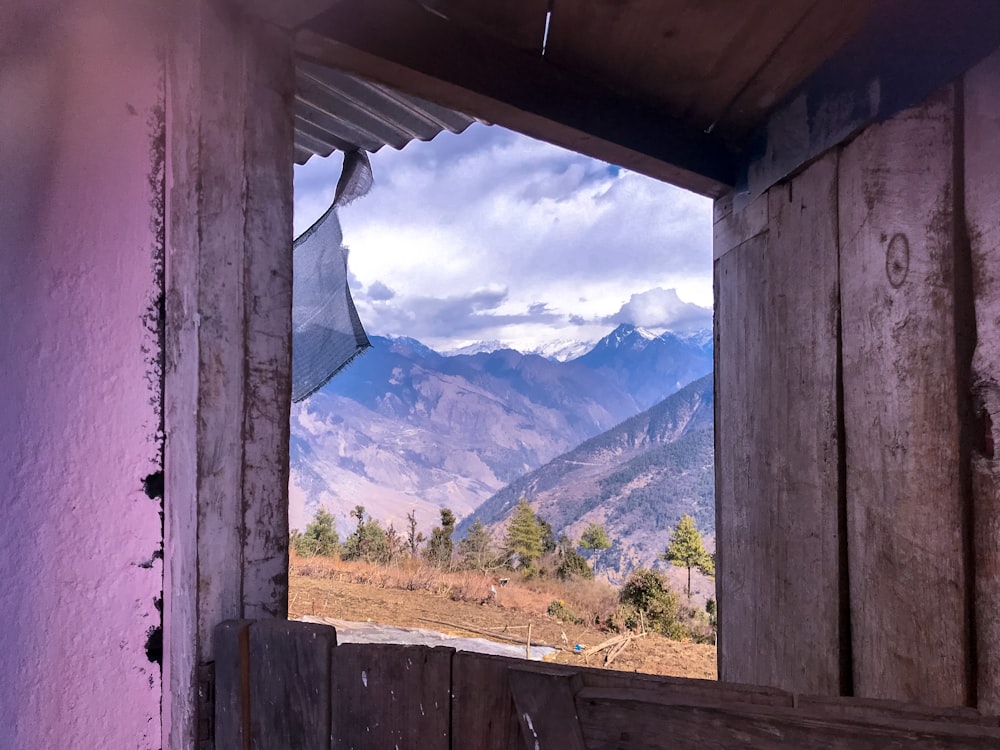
858, 362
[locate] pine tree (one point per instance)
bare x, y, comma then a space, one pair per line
687, 550
368, 541
475, 551
319, 538
440, 547
595, 539
523, 542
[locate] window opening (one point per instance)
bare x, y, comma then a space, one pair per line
541, 329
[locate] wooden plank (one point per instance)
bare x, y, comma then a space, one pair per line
396, 43
483, 715
982, 196
290, 685
887, 711
232, 684
691, 57
267, 280
228, 203
901, 416
388, 696
736, 225
777, 469
520, 23
626, 719
546, 708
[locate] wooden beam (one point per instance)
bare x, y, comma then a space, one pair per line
907, 50
397, 43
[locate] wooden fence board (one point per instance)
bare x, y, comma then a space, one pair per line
483, 714
290, 685
901, 415
546, 710
305, 692
627, 719
982, 198
390, 696
232, 684
777, 467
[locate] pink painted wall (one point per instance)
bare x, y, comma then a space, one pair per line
80, 92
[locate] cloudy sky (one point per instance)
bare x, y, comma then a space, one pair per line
491, 236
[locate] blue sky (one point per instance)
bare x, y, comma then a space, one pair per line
492, 236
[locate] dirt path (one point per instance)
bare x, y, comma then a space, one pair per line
652, 654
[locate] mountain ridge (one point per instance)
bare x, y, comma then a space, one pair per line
637, 479
407, 427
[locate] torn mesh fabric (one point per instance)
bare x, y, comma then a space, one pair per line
326, 330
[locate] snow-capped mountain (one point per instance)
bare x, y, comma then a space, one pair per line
406, 427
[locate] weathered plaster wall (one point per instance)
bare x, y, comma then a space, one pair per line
80, 386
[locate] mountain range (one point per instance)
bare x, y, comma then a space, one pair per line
636, 479
405, 427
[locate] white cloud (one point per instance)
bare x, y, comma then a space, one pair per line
491, 235
663, 309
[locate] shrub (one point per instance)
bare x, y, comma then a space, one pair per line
559, 610
573, 565
648, 593
319, 538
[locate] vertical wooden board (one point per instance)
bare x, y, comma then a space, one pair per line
777, 472
482, 706
232, 684
268, 320
220, 170
982, 199
290, 685
546, 708
389, 696
900, 408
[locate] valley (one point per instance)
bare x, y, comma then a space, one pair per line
620, 435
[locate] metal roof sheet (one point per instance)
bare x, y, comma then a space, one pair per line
335, 110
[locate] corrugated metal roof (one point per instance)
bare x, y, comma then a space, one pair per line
338, 111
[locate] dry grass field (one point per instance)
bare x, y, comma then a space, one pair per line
413, 594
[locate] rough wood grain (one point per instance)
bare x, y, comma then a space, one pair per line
734, 226
901, 414
228, 305
232, 684
982, 198
546, 708
388, 696
290, 685
777, 468
626, 719
267, 269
